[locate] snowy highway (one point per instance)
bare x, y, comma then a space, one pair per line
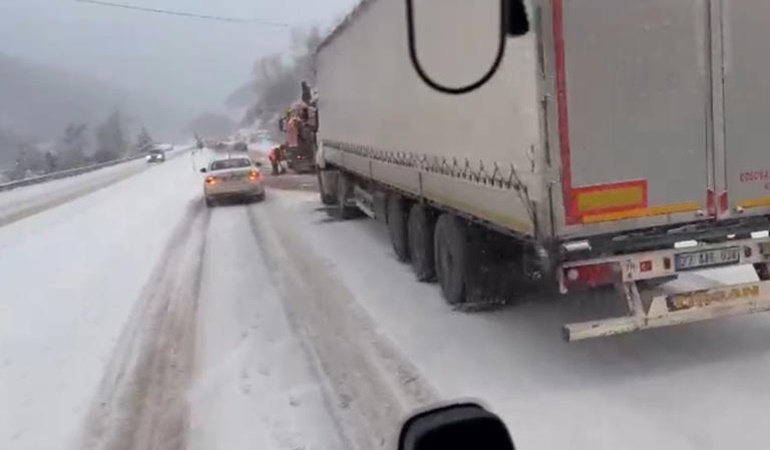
132, 317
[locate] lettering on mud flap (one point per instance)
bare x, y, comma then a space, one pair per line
761, 177
708, 297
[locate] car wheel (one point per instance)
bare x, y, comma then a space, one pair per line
327, 198
420, 234
397, 227
344, 193
209, 203
451, 256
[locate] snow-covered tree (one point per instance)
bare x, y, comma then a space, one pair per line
71, 148
144, 142
110, 139
276, 81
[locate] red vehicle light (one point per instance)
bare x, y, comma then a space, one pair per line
254, 175
590, 276
211, 180
645, 266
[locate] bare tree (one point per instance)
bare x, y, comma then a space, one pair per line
110, 139
276, 80
72, 146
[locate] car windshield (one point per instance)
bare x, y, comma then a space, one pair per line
235, 163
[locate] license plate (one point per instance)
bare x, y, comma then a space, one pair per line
708, 258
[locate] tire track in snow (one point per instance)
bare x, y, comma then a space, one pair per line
141, 403
370, 385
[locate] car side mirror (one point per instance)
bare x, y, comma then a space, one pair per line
457, 426
258, 163
203, 170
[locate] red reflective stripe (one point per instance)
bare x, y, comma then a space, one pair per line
711, 204
572, 217
723, 203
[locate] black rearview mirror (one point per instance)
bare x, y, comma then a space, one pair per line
258, 163
513, 22
203, 170
459, 426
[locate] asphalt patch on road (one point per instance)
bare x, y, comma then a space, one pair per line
292, 182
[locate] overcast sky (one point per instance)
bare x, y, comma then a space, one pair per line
193, 64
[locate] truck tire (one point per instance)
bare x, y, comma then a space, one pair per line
421, 249
326, 198
344, 192
451, 257
397, 226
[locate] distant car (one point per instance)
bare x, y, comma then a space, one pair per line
237, 177
156, 156
240, 147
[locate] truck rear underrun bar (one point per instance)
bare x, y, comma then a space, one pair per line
651, 309
677, 309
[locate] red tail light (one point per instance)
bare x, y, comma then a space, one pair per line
254, 175
211, 180
591, 276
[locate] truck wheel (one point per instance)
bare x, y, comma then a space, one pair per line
326, 198
451, 256
344, 192
397, 226
421, 249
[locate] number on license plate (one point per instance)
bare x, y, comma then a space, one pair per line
708, 258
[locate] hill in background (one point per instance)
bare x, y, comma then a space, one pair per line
39, 102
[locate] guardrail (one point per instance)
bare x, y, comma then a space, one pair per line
67, 173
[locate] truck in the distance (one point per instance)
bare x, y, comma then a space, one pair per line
612, 132
300, 124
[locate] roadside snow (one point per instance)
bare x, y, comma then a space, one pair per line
254, 387
18, 203
70, 276
692, 387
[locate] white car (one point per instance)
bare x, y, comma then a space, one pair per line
232, 178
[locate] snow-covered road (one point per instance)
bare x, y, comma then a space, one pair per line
16, 204
69, 278
132, 317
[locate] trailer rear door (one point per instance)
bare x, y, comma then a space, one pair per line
634, 97
746, 158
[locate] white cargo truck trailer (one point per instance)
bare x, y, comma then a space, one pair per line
612, 131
